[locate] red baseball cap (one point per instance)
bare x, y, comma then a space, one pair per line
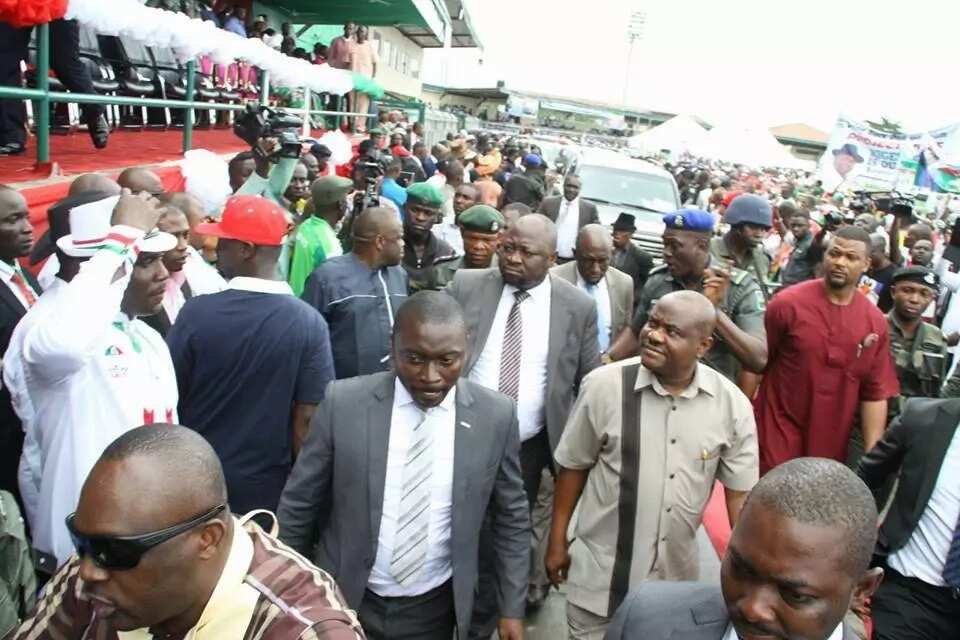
252, 219
727, 199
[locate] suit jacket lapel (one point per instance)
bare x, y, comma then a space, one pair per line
489, 300
468, 426
934, 453
377, 433
559, 326
12, 300
617, 312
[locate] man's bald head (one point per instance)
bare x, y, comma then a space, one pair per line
94, 182
695, 307
191, 467
138, 180
593, 251
539, 226
374, 221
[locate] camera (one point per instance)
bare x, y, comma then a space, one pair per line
260, 122
372, 170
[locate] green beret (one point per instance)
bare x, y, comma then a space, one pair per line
330, 189
481, 218
376, 131
919, 275
425, 195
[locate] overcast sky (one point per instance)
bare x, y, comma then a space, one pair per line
762, 61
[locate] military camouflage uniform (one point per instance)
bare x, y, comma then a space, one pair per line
920, 361
743, 303
757, 263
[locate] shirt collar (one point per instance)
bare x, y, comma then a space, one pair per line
538, 293
701, 382
7, 270
583, 284
402, 397
233, 574
260, 285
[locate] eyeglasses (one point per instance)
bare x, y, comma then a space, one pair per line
124, 552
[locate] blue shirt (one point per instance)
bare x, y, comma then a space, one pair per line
359, 304
243, 358
393, 191
234, 25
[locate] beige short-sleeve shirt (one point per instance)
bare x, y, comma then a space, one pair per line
677, 448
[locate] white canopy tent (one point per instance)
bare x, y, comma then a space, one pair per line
748, 146
678, 135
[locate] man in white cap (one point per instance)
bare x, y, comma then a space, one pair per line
91, 369
58, 219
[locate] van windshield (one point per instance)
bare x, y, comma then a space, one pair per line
629, 188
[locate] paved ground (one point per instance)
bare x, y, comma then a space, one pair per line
550, 622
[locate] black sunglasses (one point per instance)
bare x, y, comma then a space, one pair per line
124, 552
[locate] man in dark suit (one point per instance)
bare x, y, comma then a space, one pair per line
570, 213
627, 256
797, 561
18, 293
398, 474
919, 542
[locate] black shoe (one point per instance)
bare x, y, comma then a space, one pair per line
12, 149
99, 130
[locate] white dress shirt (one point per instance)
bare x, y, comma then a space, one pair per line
438, 567
604, 310
535, 316
568, 224
837, 634
926, 551
48, 273
260, 285
14, 379
92, 374
6, 274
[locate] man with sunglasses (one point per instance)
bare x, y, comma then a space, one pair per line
173, 563
92, 368
358, 294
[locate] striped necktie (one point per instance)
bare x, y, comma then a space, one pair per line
410, 540
951, 568
512, 348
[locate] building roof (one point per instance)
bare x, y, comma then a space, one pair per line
798, 132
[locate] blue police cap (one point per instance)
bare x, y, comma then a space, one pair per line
690, 220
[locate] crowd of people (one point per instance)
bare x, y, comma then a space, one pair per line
455, 388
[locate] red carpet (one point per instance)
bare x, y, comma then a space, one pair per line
75, 154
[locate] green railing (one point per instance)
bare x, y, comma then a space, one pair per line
43, 97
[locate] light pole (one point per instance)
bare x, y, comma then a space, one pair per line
634, 32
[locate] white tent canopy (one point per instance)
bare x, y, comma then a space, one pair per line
678, 135
748, 146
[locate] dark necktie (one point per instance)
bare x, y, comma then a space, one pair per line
512, 347
951, 568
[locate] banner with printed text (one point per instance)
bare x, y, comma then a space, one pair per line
859, 157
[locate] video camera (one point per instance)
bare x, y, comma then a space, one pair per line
261, 122
372, 170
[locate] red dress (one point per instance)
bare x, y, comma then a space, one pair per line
824, 360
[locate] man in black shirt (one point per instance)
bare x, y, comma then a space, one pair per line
253, 361
525, 187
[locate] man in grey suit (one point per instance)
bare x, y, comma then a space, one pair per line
798, 560
570, 213
533, 336
398, 474
611, 289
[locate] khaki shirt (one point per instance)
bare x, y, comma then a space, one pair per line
649, 484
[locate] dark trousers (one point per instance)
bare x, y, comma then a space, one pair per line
535, 456
64, 60
910, 609
428, 616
